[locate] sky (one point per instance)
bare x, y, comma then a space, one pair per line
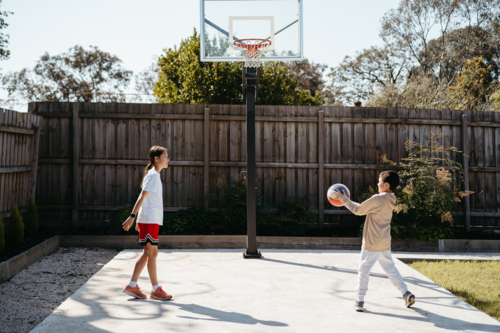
138, 32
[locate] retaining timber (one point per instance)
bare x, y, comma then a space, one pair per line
11, 267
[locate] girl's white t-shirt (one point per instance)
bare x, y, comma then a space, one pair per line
151, 211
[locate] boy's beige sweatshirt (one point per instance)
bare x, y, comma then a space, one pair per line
378, 210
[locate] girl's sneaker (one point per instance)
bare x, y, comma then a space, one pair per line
358, 306
409, 299
160, 294
134, 292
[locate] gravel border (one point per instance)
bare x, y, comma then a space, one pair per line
34, 293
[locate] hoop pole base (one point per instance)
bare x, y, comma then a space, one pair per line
252, 255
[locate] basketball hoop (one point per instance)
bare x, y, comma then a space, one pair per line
252, 50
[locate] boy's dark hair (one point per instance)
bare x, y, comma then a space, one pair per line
390, 177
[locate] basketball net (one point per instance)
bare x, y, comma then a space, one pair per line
252, 50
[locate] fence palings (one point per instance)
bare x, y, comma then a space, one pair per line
19, 137
111, 142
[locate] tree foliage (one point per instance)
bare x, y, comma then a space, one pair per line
4, 39
78, 75
427, 44
183, 78
473, 86
358, 78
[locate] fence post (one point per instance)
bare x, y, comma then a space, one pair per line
465, 146
321, 204
76, 131
206, 147
34, 162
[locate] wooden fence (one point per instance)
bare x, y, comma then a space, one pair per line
19, 138
299, 152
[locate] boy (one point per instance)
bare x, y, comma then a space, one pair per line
377, 236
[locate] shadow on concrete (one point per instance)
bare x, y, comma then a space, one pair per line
411, 280
443, 322
219, 315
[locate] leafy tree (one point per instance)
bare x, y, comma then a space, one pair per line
425, 92
359, 78
4, 39
473, 86
409, 26
144, 84
183, 78
308, 75
76, 76
448, 54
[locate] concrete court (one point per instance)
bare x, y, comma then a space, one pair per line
286, 291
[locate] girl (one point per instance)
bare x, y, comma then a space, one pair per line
149, 205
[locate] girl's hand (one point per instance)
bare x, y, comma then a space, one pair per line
128, 223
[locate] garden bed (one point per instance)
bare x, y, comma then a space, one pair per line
30, 296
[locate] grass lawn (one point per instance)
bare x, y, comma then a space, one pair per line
477, 283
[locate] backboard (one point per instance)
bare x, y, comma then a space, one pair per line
222, 22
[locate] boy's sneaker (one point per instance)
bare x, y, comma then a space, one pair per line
409, 299
135, 292
160, 294
358, 306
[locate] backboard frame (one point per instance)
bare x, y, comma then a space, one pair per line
204, 58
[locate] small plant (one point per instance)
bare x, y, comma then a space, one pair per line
189, 221
230, 199
292, 218
2, 236
115, 224
428, 191
31, 218
16, 227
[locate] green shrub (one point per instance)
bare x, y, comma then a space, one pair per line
16, 227
230, 199
292, 218
428, 191
2, 236
115, 224
31, 218
189, 221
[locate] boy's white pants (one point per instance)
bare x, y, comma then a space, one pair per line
366, 263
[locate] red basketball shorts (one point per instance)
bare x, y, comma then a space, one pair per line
148, 233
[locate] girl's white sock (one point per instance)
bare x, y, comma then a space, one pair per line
132, 284
156, 287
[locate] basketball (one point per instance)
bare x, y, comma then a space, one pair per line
342, 189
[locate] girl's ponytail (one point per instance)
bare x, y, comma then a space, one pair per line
155, 151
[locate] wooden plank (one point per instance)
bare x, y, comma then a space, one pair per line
16, 130
34, 163
110, 170
381, 136
489, 161
235, 142
206, 156
291, 141
392, 135
321, 190
465, 164
302, 154
402, 134
15, 169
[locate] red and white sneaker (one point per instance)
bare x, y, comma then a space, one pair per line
134, 292
160, 294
